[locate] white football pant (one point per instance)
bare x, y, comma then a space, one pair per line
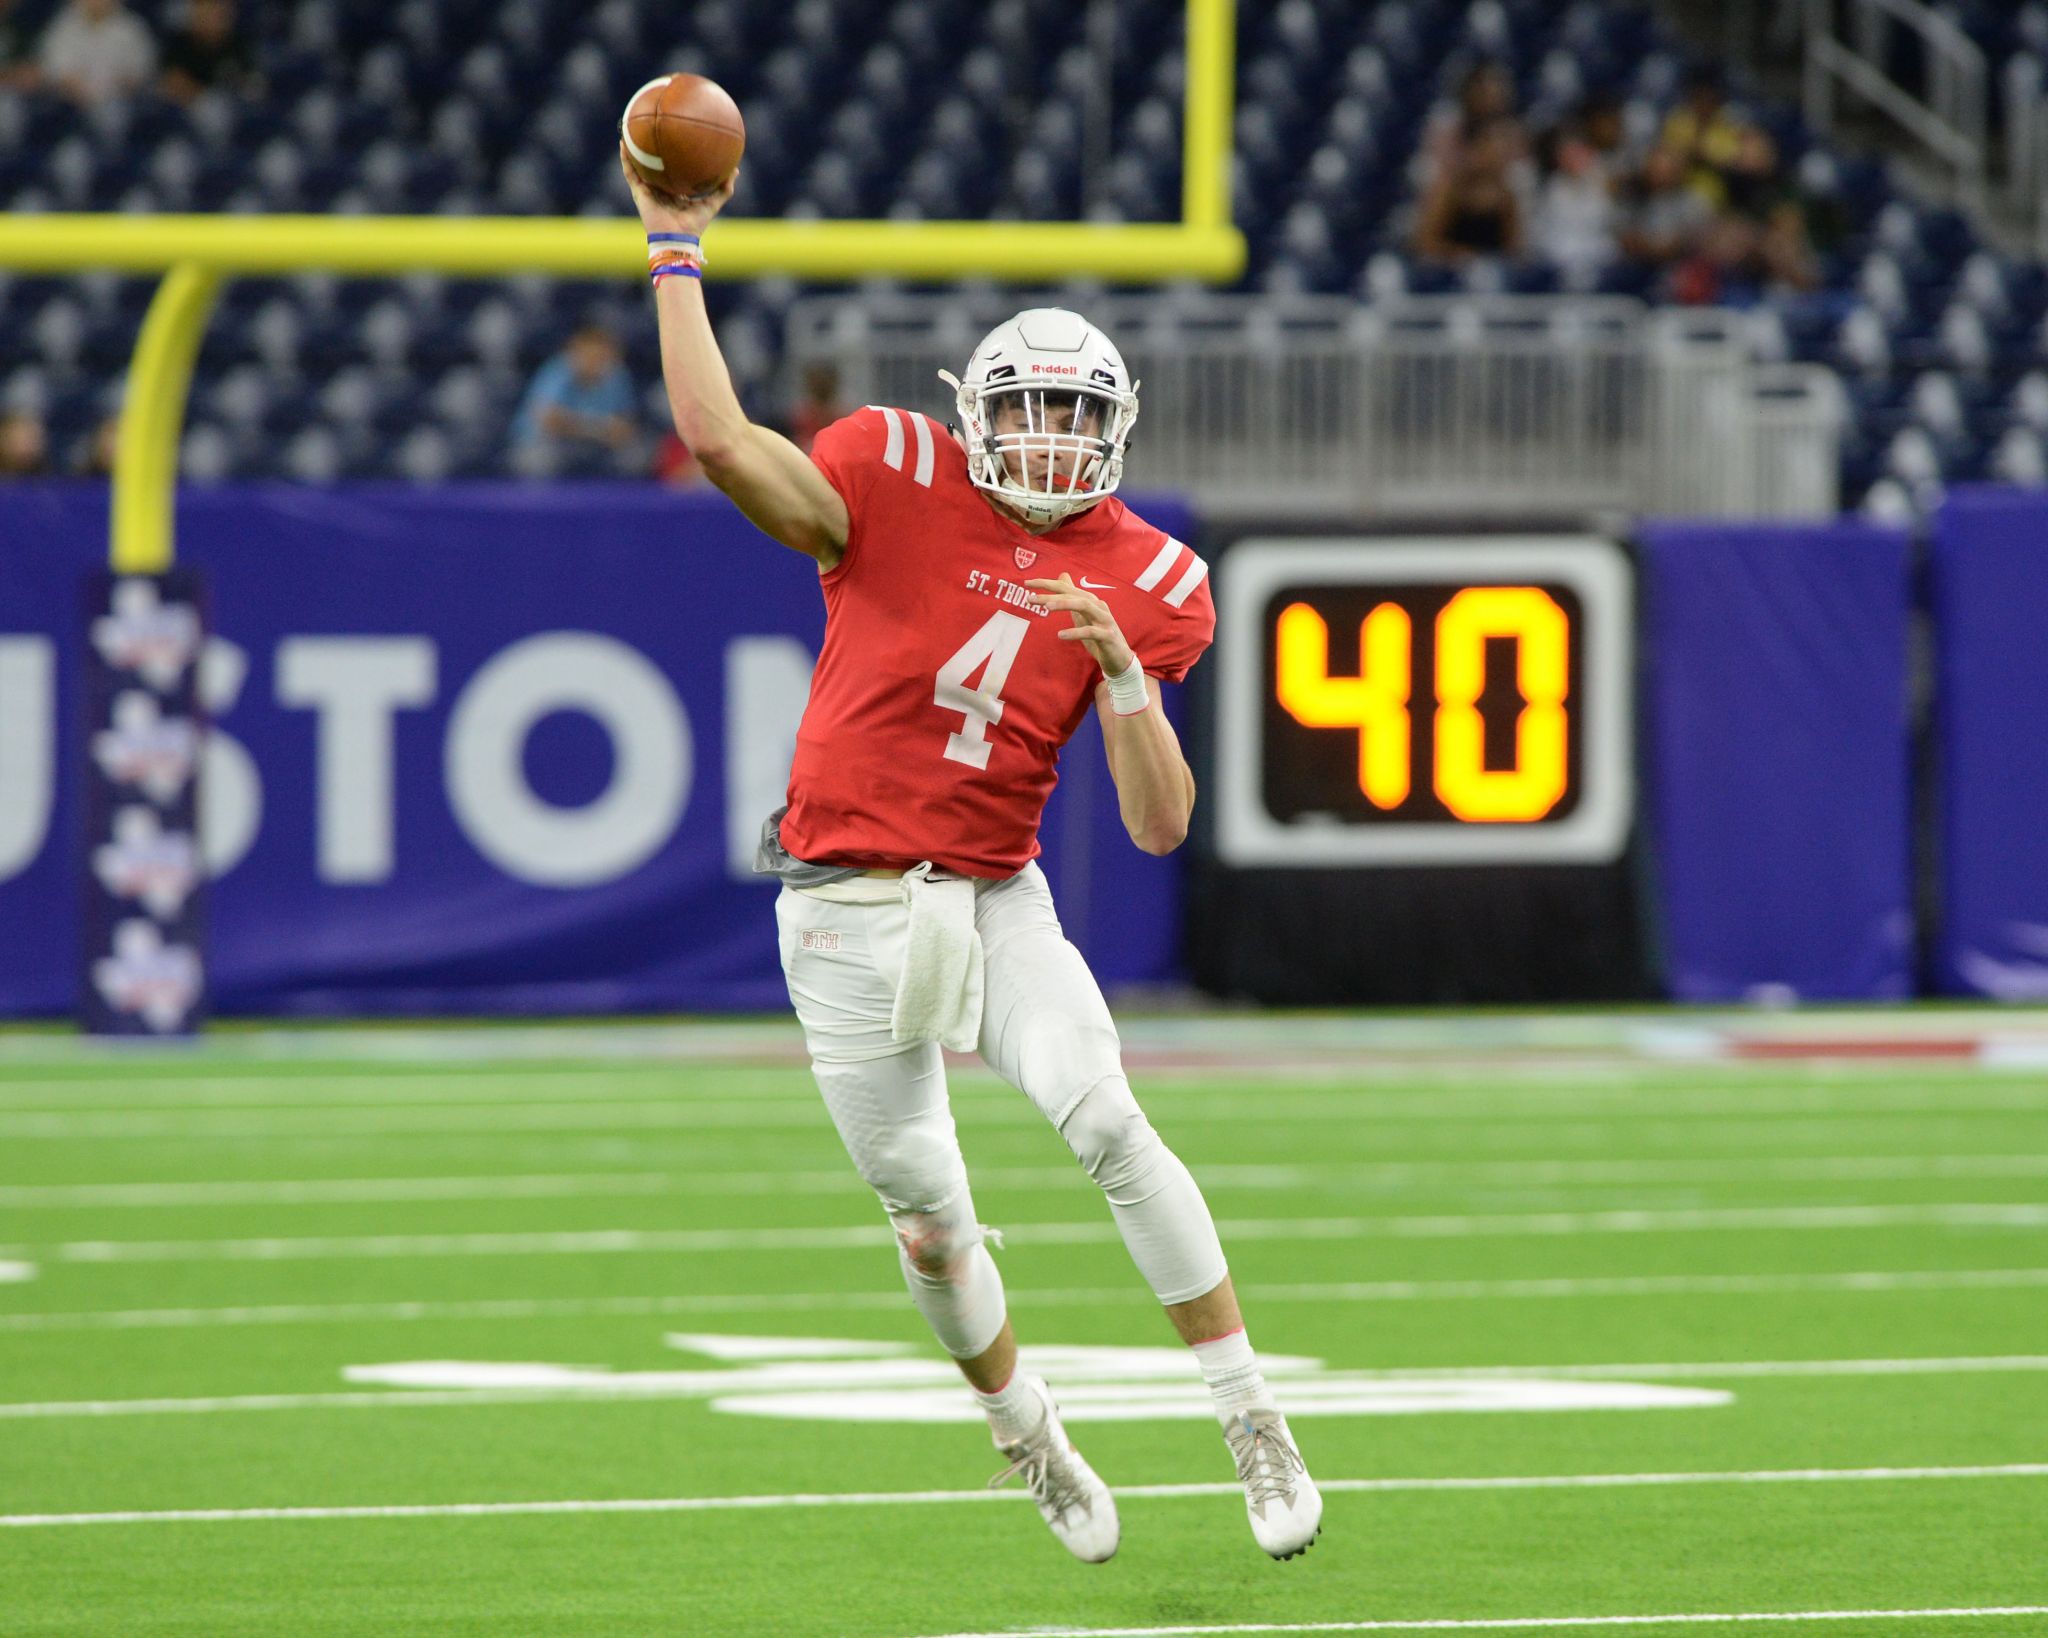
1045, 1029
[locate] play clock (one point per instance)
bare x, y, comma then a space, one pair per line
1421, 701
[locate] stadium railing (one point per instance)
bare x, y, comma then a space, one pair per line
1512, 406
195, 253
1849, 43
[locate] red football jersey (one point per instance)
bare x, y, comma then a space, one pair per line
942, 698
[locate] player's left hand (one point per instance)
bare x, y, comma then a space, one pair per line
1093, 623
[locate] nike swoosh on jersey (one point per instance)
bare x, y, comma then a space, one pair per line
1098, 585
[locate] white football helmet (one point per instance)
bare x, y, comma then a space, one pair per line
1046, 409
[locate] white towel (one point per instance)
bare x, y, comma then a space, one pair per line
938, 995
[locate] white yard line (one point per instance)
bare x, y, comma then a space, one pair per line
586, 1242
16, 1273
1416, 1174
1657, 1285
1186, 1105
1877, 1281
1176, 1065
703, 1385
1525, 1623
912, 1498
356, 1313
769, 1302
1451, 1174
345, 1190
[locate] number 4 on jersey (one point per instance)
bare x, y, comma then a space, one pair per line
994, 646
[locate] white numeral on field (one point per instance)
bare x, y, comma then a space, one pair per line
995, 646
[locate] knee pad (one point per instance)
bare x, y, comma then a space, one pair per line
937, 1245
951, 1276
1114, 1142
914, 1164
1159, 1211
1063, 1061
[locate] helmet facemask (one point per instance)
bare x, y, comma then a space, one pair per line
1047, 441
1045, 447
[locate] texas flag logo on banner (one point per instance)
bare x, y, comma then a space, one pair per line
1025, 558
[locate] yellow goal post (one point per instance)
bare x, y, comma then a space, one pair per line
196, 252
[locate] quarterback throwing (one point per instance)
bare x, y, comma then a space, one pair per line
984, 589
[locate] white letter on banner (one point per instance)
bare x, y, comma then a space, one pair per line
650, 734
356, 684
230, 790
27, 730
767, 685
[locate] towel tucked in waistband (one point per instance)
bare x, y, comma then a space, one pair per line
939, 994
939, 990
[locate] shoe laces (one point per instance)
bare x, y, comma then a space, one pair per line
1052, 1481
1267, 1464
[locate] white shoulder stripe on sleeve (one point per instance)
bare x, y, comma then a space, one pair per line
892, 452
1155, 571
925, 453
1186, 584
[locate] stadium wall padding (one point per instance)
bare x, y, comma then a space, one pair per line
1777, 758
426, 813
1989, 575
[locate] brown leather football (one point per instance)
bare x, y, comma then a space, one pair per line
683, 134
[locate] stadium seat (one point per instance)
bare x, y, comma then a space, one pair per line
314, 456
206, 455
2020, 457
860, 107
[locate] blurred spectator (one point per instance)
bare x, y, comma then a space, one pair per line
1486, 95
97, 460
18, 70
1705, 133
580, 404
818, 408
1761, 235
1662, 220
207, 53
1602, 123
24, 445
96, 50
1575, 217
1472, 211
674, 465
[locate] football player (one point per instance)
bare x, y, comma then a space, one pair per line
983, 588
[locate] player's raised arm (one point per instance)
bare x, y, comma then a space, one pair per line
767, 476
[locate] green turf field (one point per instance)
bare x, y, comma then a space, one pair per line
1789, 1318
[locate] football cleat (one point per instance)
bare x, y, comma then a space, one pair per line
1285, 1508
1071, 1499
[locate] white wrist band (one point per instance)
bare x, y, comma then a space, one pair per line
1128, 694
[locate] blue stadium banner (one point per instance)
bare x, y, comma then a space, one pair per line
141, 969
1777, 758
1990, 588
475, 748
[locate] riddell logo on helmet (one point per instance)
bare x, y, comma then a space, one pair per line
1059, 369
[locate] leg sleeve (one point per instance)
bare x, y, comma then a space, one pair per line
1047, 1031
889, 1103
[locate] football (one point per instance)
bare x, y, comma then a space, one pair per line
683, 134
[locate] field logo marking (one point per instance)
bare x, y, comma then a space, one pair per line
828, 1380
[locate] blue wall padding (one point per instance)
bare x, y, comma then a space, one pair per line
1777, 758
1990, 583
